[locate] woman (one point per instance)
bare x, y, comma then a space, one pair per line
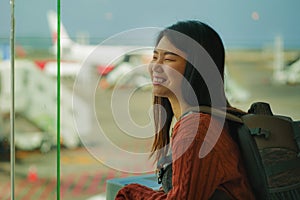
187, 73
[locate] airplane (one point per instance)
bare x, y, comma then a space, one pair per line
102, 57
285, 73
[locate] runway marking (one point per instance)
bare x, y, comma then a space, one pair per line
73, 186
94, 184
33, 189
110, 175
49, 191
19, 188
78, 160
65, 184
4, 191
80, 183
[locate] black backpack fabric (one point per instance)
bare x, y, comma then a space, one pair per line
270, 146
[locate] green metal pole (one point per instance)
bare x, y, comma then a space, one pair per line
58, 100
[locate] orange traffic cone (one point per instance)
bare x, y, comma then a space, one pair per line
32, 175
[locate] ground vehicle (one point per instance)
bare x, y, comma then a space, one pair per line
35, 108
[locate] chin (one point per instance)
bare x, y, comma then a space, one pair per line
160, 91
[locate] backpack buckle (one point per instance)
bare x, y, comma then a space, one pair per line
260, 132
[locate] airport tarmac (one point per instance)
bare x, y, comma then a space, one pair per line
85, 169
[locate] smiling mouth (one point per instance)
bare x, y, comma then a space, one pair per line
157, 80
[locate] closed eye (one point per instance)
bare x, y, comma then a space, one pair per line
169, 59
167, 56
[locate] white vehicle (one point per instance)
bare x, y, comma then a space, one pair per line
289, 74
35, 109
284, 74
294, 73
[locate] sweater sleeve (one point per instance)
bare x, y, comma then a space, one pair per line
139, 192
192, 178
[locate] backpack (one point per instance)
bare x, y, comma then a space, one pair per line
270, 146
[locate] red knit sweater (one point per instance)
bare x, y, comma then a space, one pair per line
194, 177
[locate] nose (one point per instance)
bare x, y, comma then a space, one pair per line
155, 67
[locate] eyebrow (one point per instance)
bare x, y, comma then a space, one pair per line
167, 53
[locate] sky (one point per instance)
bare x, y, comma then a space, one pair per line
247, 23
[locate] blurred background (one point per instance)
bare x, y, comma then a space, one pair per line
105, 48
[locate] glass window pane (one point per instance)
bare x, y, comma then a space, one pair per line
35, 104
106, 99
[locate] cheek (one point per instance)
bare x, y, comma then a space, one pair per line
176, 72
182, 67
175, 78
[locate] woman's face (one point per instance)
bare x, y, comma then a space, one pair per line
167, 68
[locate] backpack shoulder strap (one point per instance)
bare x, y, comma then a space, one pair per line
296, 127
221, 113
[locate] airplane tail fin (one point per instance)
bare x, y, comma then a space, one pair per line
65, 39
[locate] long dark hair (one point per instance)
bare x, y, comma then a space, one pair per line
196, 33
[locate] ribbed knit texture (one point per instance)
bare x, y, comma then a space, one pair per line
195, 178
